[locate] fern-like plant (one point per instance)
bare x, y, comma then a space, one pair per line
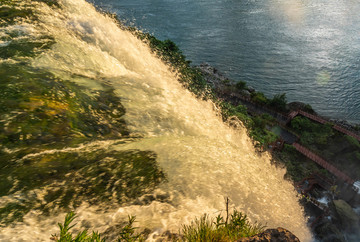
67, 236
127, 233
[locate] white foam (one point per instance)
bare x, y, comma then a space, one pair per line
204, 159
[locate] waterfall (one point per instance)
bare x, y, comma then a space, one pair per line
203, 160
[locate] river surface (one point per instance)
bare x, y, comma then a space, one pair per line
308, 49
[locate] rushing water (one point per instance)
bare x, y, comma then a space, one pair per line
92, 120
308, 49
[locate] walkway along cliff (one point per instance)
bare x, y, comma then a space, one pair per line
282, 119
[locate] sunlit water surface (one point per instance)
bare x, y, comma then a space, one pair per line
307, 49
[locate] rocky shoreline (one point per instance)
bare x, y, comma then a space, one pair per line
216, 79
272, 235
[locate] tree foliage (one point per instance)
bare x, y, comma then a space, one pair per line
279, 102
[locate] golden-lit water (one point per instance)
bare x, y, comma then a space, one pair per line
204, 159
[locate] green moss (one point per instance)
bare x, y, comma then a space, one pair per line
67, 179
38, 109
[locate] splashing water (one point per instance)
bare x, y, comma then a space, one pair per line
202, 158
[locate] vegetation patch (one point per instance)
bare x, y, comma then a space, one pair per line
297, 165
340, 150
232, 228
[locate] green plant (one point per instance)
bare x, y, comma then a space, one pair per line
226, 82
206, 229
240, 85
352, 141
231, 229
312, 133
67, 236
308, 109
279, 102
127, 233
259, 97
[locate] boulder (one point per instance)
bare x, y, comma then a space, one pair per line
346, 215
273, 235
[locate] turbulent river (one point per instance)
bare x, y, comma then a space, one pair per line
92, 121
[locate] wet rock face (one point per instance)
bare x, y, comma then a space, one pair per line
273, 235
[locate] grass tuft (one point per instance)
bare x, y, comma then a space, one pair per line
206, 229
232, 228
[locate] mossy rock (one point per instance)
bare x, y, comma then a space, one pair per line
346, 215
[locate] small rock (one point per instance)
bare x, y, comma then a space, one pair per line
251, 89
273, 235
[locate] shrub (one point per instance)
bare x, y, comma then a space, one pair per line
205, 229
66, 235
259, 97
127, 233
228, 110
312, 133
279, 102
352, 141
240, 85
309, 109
